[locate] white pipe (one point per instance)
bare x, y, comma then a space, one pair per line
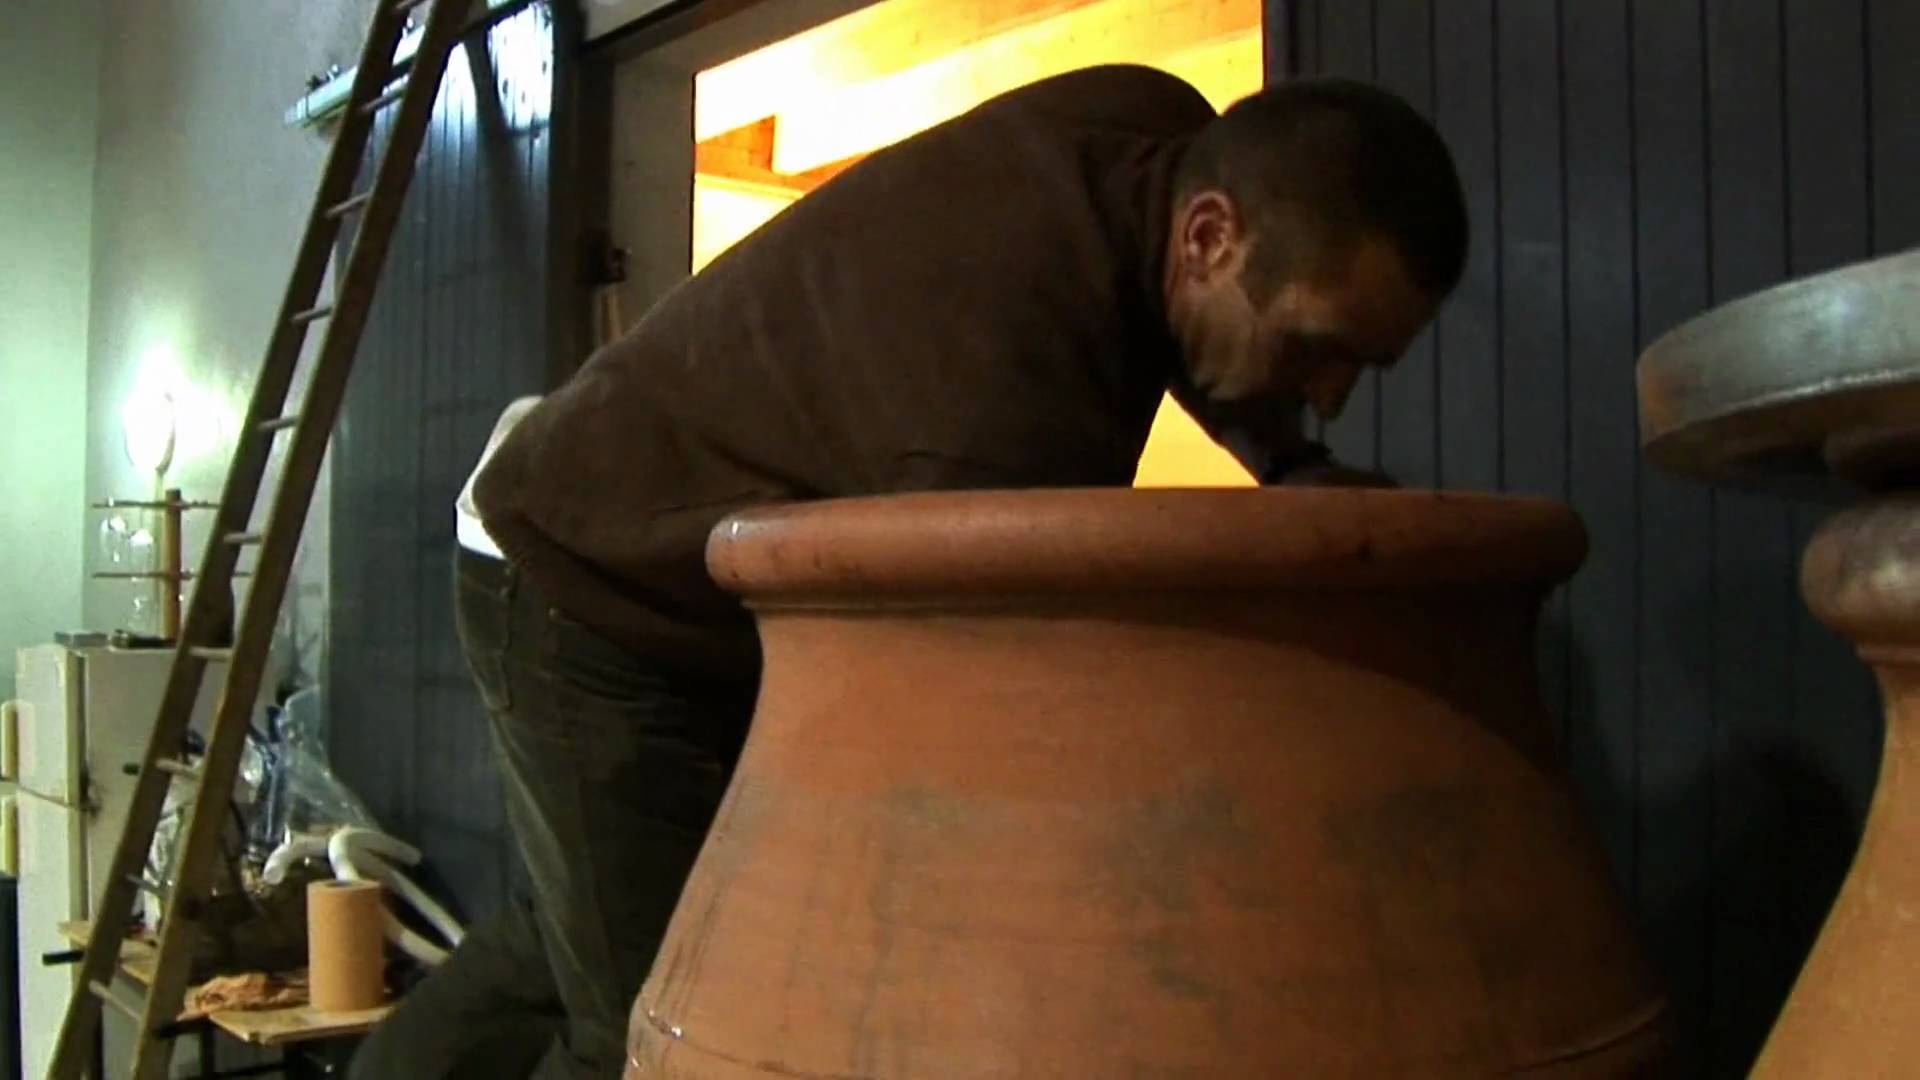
414, 945
357, 841
358, 854
291, 851
330, 97
372, 851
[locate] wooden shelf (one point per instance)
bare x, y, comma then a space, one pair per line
261, 1027
155, 504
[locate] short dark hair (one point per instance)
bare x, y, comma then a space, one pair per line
1337, 160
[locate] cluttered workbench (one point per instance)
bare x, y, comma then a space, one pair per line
269, 1010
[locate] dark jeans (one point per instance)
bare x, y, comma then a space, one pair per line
613, 769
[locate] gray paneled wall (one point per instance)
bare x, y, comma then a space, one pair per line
1628, 165
460, 328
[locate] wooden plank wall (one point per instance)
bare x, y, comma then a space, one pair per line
1630, 163
460, 328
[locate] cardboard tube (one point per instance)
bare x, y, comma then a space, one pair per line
345, 945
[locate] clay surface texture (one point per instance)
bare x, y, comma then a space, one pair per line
1130, 783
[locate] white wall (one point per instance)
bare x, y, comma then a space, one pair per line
200, 195
49, 82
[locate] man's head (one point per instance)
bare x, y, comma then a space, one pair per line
1317, 225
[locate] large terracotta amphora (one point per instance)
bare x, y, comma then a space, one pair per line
1129, 784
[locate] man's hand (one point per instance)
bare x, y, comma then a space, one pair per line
1266, 436
1334, 474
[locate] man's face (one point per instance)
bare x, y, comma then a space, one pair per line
1311, 340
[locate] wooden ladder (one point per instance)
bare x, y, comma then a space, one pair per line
377, 85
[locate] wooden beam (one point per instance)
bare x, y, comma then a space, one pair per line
745, 155
861, 116
867, 44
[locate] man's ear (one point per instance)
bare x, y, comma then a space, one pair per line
1211, 236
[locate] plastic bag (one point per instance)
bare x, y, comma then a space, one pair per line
306, 795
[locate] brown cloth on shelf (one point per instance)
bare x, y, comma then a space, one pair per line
246, 991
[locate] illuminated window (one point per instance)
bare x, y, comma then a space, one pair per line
776, 123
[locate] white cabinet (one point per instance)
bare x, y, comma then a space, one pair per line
82, 716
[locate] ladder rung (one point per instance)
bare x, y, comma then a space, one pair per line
242, 538
348, 206
205, 653
107, 994
151, 888
313, 314
386, 99
176, 767
278, 423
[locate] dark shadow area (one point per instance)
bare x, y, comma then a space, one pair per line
1727, 932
